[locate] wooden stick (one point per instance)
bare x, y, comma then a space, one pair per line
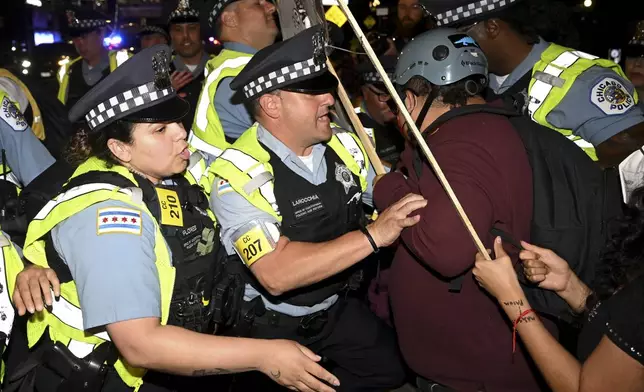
357, 124
412, 126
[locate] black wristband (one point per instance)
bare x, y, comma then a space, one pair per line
364, 230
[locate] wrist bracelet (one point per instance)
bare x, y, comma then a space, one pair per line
365, 231
514, 327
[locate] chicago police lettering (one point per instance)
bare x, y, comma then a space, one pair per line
611, 96
12, 116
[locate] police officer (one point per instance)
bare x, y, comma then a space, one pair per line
150, 35
76, 77
136, 245
374, 113
22, 156
288, 194
585, 98
189, 62
244, 27
634, 62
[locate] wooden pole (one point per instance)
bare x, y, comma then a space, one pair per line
412, 126
357, 124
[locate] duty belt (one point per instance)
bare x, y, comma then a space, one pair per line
306, 327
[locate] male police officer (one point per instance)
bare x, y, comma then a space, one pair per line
244, 27
288, 196
374, 113
634, 62
190, 58
585, 98
75, 78
151, 35
23, 157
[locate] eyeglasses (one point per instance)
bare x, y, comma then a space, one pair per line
382, 96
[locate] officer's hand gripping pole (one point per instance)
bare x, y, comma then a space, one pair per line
412, 126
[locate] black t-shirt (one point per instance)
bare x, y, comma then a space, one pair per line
621, 319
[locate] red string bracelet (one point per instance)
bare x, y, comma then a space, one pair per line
514, 328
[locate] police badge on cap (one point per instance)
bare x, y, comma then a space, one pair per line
184, 14
80, 21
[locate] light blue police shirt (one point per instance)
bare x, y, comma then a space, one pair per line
233, 211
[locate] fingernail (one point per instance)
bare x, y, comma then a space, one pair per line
336, 383
498, 240
31, 310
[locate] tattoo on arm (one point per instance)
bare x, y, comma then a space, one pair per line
217, 371
513, 303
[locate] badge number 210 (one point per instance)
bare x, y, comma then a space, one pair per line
170, 208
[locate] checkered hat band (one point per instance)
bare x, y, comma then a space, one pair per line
216, 9
636, 42
374, 77
281, 76
186, 13
125, 102
470, 10
87, 23
153, 30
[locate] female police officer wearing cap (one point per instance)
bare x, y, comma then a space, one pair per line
138, 253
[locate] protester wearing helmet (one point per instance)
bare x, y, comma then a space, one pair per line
455, 341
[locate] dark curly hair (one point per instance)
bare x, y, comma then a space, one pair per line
85, 144
623, 258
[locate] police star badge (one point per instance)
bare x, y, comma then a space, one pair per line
343, 176
12, 116
161, 70
319, 55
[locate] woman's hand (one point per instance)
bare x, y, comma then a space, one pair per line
294, 366
498, 276
32, 284
545, 267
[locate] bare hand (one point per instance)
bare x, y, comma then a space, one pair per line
497, 276
32, 284
180, 79
386, 229
545, 267
294, 366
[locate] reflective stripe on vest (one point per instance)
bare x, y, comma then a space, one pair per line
10, 266
8, 175
246, 167
115, 59
553, 76
368, 131
208, 134
65, 320
37, 126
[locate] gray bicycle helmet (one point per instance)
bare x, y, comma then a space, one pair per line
441, 56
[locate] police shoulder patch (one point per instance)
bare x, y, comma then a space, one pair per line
118, 220
611, 97
12, 116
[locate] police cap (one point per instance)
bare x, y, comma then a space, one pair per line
635, 47
153, 29
81, 21
368, 73
183, 14
139, 91
217, 8
297, 64
457, 12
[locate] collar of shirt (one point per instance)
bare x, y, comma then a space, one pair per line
179, 65
292, 161
525, 66
92, 76
239, 47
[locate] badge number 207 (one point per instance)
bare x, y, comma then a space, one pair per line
252, 245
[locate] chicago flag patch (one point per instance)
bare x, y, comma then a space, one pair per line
118, 220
